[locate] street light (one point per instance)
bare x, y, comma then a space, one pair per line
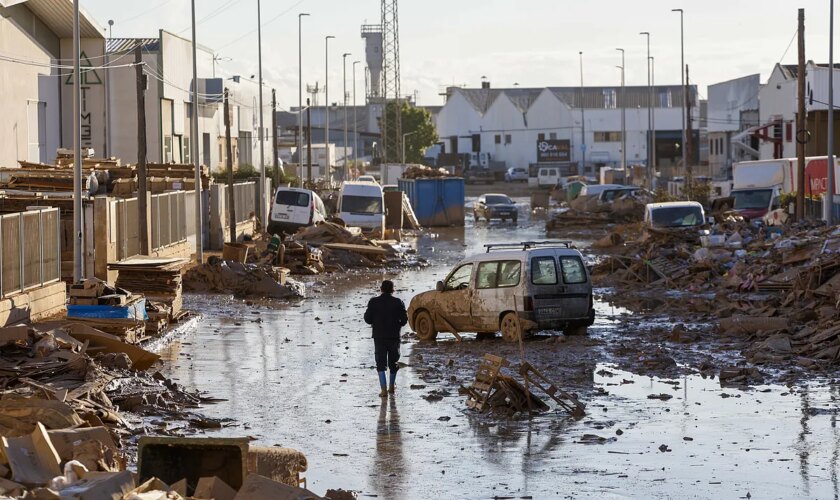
653, 114
355, 122
682, 82
300, 87
199, 237
650, 103
344, 78
403, 144
828, 203
582, 165
217, 57
327, 105
623, 121
263, 204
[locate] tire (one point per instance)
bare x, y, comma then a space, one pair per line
510, 327
515, 219
577, 330
424, 327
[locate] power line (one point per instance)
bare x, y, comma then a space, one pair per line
145, 12
278, 16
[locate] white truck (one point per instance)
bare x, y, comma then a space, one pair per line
758, 185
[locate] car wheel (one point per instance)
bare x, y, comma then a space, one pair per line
575, 330
424, 326
504, 220
510, 327
514, 220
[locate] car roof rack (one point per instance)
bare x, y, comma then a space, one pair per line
525, 245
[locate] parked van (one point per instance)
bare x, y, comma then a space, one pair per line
514, 288
362, 204
548, 176
677, 214
596, 189
294, 208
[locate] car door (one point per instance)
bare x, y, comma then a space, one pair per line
577, 287
453, 302
495, 283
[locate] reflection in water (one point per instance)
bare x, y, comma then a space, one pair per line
389, 473
803, 440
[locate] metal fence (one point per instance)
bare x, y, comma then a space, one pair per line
244, 199
168, 219
30, 250
171, 219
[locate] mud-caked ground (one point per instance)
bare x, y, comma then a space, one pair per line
659, 424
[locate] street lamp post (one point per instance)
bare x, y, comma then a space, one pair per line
623, 121
327, 106
300, 89
650, 118
199, 237
78, 226
828, 203
263, 205
344, 81
653, 115
355, 123
403, 144
682, 82
582, 165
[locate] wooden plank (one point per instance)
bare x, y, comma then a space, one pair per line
356, 248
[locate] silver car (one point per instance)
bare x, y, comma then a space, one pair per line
513, 288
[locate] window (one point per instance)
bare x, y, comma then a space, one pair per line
543, 271
460, 278
610, 100
607, 136
361, 204
788, 132
292, 198
540, 137
553, 136
498, 274
665, 99
187, 155
573, 270
498, 139
507, 139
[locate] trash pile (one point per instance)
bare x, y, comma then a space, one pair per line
588, 210
112, 309
778, 288
424, 172
497, 392
330, 247
243, 280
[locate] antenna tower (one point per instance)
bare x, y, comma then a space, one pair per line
391, 126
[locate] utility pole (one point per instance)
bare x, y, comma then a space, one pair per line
308, 143
682, 77
274, 137
263, 204
582, 165
355, 122
689, 132
800, 121
78, 228
653, 115
142, 177
229, 164
828, 204
623, 123
327, 106
650, 103
199, 237
300, 91
344, 81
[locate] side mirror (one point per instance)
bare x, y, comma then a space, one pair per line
439, 286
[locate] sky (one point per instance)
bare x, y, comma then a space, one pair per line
534, 43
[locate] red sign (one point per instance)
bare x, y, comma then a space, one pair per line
816, 176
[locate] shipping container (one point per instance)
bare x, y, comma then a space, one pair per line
436, 202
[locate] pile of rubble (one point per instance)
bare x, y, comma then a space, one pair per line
777, 288
589, 210
243, 280
423, 172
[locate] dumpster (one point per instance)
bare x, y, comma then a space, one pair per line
436, 201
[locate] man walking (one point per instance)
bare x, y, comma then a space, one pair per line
386, 314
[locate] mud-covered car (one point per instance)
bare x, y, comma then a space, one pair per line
495, 206
513, 288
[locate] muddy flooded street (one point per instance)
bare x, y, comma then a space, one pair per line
301, 374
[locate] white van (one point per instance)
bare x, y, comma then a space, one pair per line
362, 204
548, 176
294, 208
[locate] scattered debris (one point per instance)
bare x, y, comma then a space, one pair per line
245, 280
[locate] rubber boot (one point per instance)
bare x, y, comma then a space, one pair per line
383, 393
393, 380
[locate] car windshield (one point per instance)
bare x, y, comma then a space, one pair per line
361, 204
752, 198
677, 216
498, 200
292, 198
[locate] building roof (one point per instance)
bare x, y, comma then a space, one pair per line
58, 16
481, 99
523, 98
113, 45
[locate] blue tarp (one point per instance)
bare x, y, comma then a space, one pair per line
136, 310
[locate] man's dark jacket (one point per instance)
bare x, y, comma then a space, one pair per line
386, 314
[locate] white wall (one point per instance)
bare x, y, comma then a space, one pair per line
93, 95
777, 98
24, 87
123, 110
458, 118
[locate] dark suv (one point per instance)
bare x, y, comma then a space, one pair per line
495, 206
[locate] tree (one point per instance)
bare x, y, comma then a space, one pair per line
417, 122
